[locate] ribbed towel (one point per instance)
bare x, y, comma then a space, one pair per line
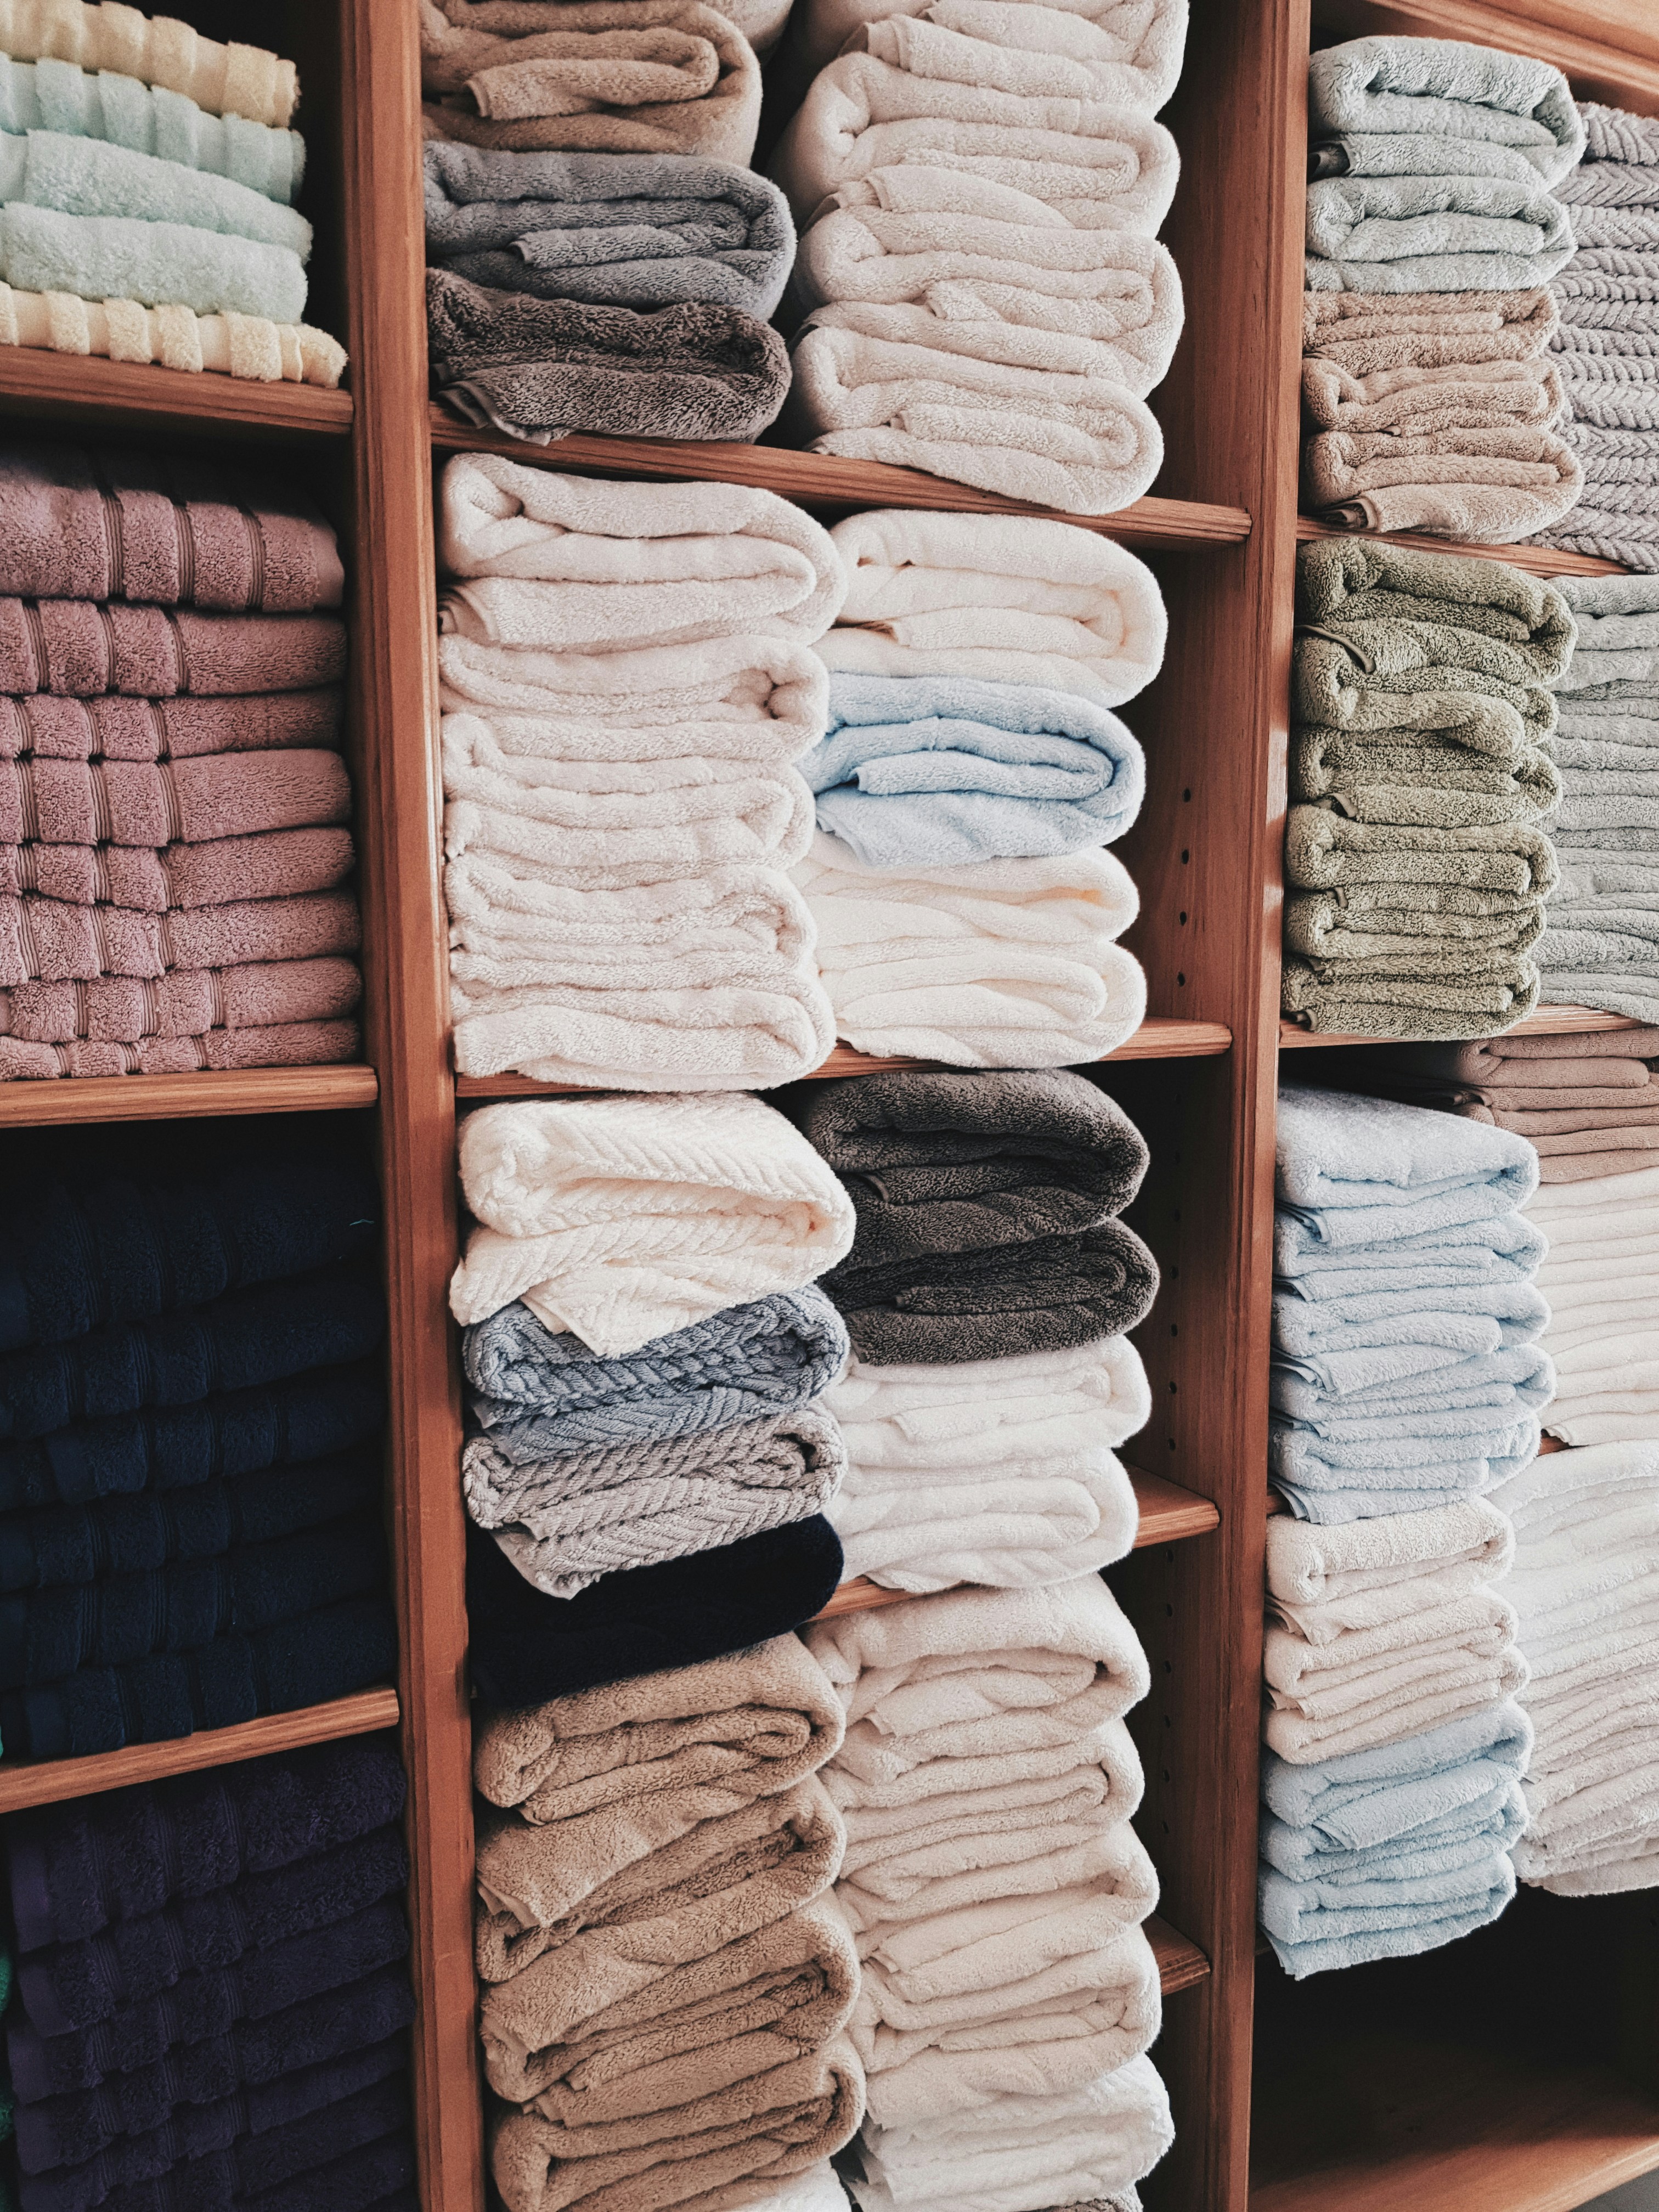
1143, 44
51, 94
113, 728
224, 79
307, 1043
1448, 89
248, 346
157, 804
75, 647
48, 940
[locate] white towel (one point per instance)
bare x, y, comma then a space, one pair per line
1002, 964
1324, 1581
1142, 40
1600, 1279
643, 698
817, 2190
621, 1220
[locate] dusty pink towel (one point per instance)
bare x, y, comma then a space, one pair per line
77, 647
49, 941
276, 863
82, 523
125, 1010
56, 802
114, 728
287, 1044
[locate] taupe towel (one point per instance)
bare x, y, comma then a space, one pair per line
1365, 332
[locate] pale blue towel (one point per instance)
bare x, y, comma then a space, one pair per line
87, 177
1355, 1171
935, 771
1491, 1379
1438, 88
1405, 154
1302, 1468
159, 264
1371, 1797
1498, 1242
53, 95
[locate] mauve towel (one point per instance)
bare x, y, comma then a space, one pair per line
79, 648
48, 940
117, 729
526, 1648
228, 872
276, 1044
84, 523
81, 802
180, 1006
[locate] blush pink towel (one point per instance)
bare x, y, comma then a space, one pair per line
79, 648
56, 802
274, 864
286, 1044
185, 1002
49, 941
114, 728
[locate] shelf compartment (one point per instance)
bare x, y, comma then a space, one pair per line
1537, 560
1572, 34
72, 1099
1163, 526
88, 390
50, 1781
1180, 1962
1547, 1021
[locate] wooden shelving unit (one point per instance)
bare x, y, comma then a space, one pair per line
132, 395
173, 1098
1545, 1021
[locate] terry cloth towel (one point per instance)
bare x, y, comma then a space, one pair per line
918, 770
1023, 2147
538, 369
624, 230
1143, 47
1003, 963
984, 1209
222, 79
306, 1043
152, 730
50, 94
976, 267
1408, 778
1599, 1278
990, 1471
1446, 88
103, 257
157, 804
584, 567
1009, 597
1407, 612
78, 650
1364, 335
1483, 486
527, 1648
97, 178
759, 20
1389, 1853
248, 346
49, 941
1433, 234
620, 1219
815, 2191
1323, 1582
607, 77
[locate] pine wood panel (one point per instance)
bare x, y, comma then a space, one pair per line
137, 396
1583, 39
1545, 1021
1537, 560
182, 1097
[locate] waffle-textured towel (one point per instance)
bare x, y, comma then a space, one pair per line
51, 94
1446, 88
248, 346
621, 1219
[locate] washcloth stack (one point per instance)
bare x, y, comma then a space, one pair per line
980, 290
213, 1991
627, 678
173, 850
1435, 222
191, 1406
147, 175
996, 1891
972, 775
1416, 847
600, 258
1405, 1381
666, 1980
987, 1294
646, 1352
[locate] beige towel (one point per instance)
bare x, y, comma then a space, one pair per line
1365, 332
760, 21
157, 50
914, 1847
1480, 487
246, 346
1322, 1580
1141, 42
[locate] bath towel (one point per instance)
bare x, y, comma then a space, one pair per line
47, 940
940, 770
1598, 1276
609, 77
1324, 1582
1484, 486
1144, 44
1407, 778
1448, 88
155, 804
236, 876
166, 1017
50, 94
623, 230
1354, 1172
526, 1648
577, 1201
1407, 610
1367, 335
1486, 396
52, 728
1322, 996
1433, 234
223, 80
538, 369
96, 177
1332, 688
101, 257
248, 346
1010, 597
278, 1044
760, 21
1004, 964
815, 2191
75, 647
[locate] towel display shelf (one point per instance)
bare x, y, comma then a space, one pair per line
1546, 1021
1540, 560
135, 396
174, 1097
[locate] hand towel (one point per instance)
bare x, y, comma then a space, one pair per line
611, 77
76, 647
50, 94
248, 346
1450, 89
623, 230
1004, 964
103, 257
1145, 45
1433, 232
223, 80
577, 1201
538, 369
1011, 598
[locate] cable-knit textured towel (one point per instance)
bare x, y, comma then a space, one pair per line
621, 1219
224, 79
76, 647
1142, 45
50, 94
248, 346
1447, 88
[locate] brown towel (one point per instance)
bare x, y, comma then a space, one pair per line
287, 1044
184, 1003
273, 864
1413, 402
1365, 332
113, 728
1480, 487
79, 648
141, 803
49, 941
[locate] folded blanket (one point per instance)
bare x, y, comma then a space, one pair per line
223, 80
50, 94
1446, 90
1010, 597
1485, 487
612, 77
101, 257
157, 731
77, 647
538, 369
577, 1198
1434, 233
624, 230
248, 346
1365, 335
1004, 964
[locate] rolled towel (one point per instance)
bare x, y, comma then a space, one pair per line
610, 77
1004, 964
538, 369
104, 257
577, 1198
248, 346
1010, 597
723, 560
155, 804
153, 731
1434, 233
1364, 335
1145, 45
50, 94
48, 940
623, 230
78, 648
1446, 88
224, 79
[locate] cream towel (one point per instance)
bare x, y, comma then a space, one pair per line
904, 1854
1004, 964
173, 337
1412, 401
817, 2192
627, 565
636, 697
624, 1219
1482, 487
233, 80
1012, 598
1136, 45
1600, 1279
1324, 1580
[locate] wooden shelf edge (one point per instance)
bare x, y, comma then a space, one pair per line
53, 1780
35, 381
1607, 48
1536, 560
1180, 1962
1548, 1021
1151, 525
71, 1099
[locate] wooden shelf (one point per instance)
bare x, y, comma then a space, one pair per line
1180, 1963
1607, 47
1547, 1021
1537, 560
1160, 525
114, 394
184, 1097
51, 1780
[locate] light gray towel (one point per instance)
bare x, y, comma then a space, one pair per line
158, 264
1447, 88
1434, 233
89, 176
1413, 154
58, 96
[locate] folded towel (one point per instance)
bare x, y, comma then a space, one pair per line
576, 1201
158, 731
272, 1013
1145, 45
85, 176
103, 257
1365, 335
47, 940
538, 369
1011, 598
1429, 402
248, 346
223, 80
1384, 776
75, 647
815, 2191
613, 77
1448, 89
1434, 233
1483, 486
1406, 611
1324, 1582
50, 94
1366, 1171
1004, 964
155, 804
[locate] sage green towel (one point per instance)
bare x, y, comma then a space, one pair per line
1421, 1011
1392, 603
1329, 925
56, 95
158, 264
1334, 685
1324, 851
1386, 778
1320, 927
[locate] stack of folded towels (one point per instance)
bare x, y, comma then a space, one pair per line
667, 1981
972, 775
600, 257
644, 1346
212, 1991
627, 677
987, 1295
174, 853
149, 173
1433, 227
1405, 1379
979, 185
996, 1891
1416, 849
190, 1479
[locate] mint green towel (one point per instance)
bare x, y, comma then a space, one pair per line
52, 96
159, 264
89, 177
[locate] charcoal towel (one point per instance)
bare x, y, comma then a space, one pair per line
538, 369
1447, 88
49, 94
81, 648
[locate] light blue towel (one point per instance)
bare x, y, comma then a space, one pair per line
54, 95
1301, 1322
1356, 1171
159, 264
1408, 154
935, 771
1512, 1257
1369, 1797
1491, 1379
1300, 1469
87, 177
1495, 1241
